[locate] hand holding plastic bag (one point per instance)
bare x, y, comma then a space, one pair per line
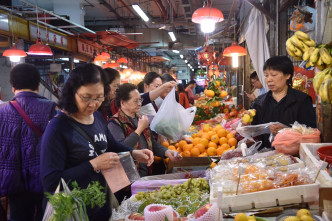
172, 120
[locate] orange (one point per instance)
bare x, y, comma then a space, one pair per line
215, 104
196, 141
206, 136
194, 135
157, 159
225, 146
209, 93
232, 142
223, 94
166, 160
218, 83
215, 138
186, 153
207, 129
190, 138
165, 144
201, 147
230, 135
182, 143
195, 152
222, 140
171, 147
187, 147
233, 147
211, 151
222, 133
204, 141
211, 133
212, 144
220, 151
176, 145
218, 127
199, 133
179, 149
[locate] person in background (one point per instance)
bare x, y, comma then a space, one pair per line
282, 103
77, 143
189, 90
112, 79
20, 144
166, 78
183, 97
255, 82
131, 129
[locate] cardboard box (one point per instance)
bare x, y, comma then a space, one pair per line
189, 164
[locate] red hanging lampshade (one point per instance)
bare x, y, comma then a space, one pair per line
14, 54
40, 49
234, 49
103, 56
111, 64
207, 17
122, 60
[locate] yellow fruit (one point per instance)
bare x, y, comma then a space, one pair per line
211, 151
246, 118
204, 141
209, 93
215, 138
201, 147
182, 143
196, 141
165, 144
212, 144
241, 217
222, 133
195, 152
252, 112
306, 218
215, 104
292, 218
223, 94
302, 212
251, 218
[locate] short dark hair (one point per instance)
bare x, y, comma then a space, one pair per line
110, 75
82, 75
122, 93
140, 87
181, 88
149, 77
254, 75
167, 78
282, 64
25, 76
192, 82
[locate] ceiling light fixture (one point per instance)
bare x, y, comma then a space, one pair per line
176, 51
186, 61
181, 56
103, 56
207, 17
140, 12
122, 60
171, 34
235, 51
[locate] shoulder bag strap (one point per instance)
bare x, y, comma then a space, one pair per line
85, 135
26, 118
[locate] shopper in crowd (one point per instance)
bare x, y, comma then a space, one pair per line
183, 97
189, 89
20, 143
282, 103
112, 79
258, 86
131, 129
77, 144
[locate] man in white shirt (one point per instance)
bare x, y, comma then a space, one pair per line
257, 85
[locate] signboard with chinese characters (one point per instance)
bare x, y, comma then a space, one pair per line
85, 48
50, 37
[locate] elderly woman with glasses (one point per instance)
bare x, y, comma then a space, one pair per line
130, 129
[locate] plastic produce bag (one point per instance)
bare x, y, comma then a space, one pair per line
172, 120
288, 140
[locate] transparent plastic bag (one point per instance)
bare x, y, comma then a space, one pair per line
172, 120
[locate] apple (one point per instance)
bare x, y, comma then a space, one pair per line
136, 216
201, 211
156, 208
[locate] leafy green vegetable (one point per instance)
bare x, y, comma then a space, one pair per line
73, 205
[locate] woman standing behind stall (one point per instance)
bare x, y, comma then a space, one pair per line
77, 144
183, 97
282, 103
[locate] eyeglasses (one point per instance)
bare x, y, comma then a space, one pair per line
253, 82
138, 101
89, 99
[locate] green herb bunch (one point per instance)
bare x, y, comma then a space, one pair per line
72, 205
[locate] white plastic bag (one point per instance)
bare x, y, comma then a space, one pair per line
172, 120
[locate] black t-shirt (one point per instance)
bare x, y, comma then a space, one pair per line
65, 153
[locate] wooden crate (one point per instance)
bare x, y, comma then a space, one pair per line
324, 121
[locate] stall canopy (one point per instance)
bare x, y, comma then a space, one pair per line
257, 43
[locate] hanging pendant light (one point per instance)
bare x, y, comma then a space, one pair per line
235, 51
111, 64
40, 49
207, 17
122, 60
14, 54
103, 56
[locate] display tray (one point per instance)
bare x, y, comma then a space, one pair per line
285, 216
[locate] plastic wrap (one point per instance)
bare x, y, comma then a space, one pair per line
210, 215
151, 185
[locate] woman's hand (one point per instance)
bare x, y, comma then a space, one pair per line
143, 156
163, 89
275, 128
143, 123
173, 155
105, 161
251, 97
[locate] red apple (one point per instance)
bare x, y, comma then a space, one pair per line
201, 211
136, 216
156, 208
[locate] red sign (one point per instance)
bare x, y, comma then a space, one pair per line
302, 81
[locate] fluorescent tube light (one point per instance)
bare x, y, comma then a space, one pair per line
176, 51
140, 12
181, 56
171, 34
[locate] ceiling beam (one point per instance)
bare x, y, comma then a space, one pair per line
261, 9
171, 5
110, 8
128, 8
161, 8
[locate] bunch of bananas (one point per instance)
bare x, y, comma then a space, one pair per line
301, 47
323, 85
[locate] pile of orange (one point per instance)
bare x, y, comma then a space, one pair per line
210, 141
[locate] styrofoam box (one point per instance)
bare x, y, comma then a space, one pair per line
308, 153
268, 198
